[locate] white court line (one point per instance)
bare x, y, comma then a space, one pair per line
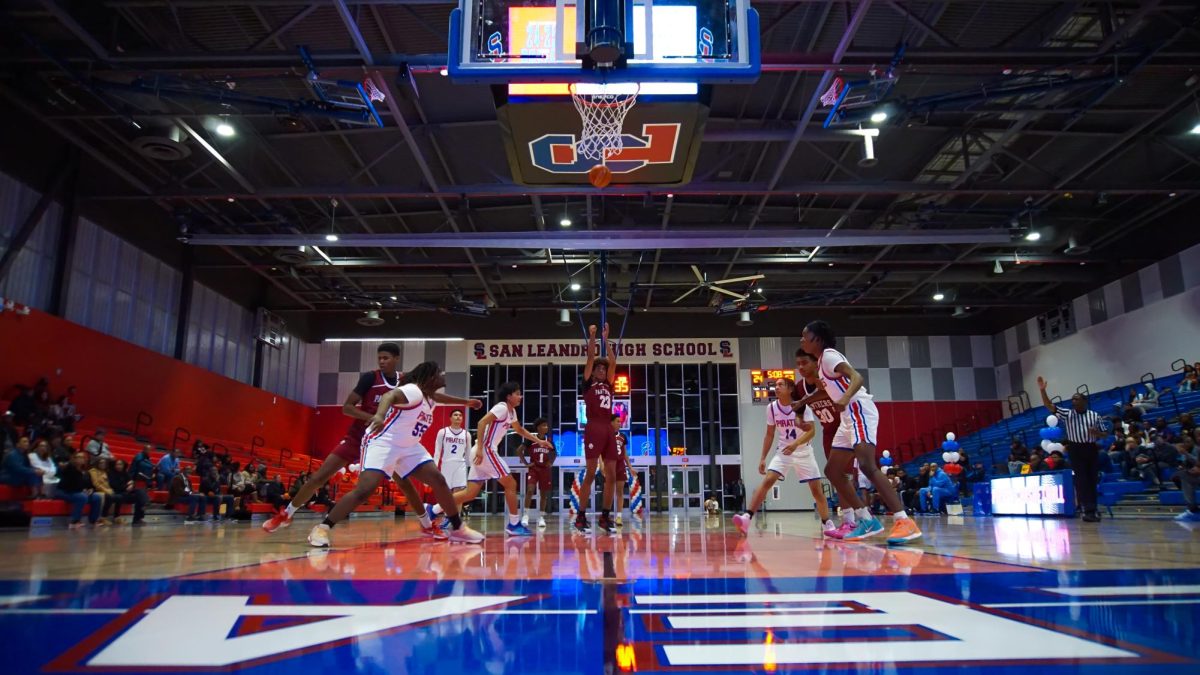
1097, 603
1183, 589
19, 599
60, 610
539, 611
746, 610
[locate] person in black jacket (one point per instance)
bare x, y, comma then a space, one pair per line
125, 492
210, 490
75, 488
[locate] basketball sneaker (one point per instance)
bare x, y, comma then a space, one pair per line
842, 530
281, 519
465, 535
438, 519
828, 530
434, 532
525, 519
865, 528
618, 519
742, 520
541, 522
318, 537
1189, 517
582, 525
517, 530
605, 523
904, 530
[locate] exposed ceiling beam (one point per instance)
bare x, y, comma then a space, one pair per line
621, 239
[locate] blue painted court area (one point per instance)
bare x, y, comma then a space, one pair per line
1131, 621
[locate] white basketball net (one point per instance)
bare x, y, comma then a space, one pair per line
831, 95
602, 109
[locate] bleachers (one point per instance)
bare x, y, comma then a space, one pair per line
991, 445
124, 445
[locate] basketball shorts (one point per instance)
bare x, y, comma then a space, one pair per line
380, 454
349, 448
538, 479
492, 467
455, 473
859, 421
800, 463
599, 440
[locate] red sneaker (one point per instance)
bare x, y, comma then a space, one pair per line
434, 532
280, 519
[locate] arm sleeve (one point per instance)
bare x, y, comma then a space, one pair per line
830, 360
500, 412
365, 382
1060, 413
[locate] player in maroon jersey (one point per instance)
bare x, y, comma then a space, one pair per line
828, 415
540, 460
360, 405
622, 473
599, 443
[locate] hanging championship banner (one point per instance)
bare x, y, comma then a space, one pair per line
667, 350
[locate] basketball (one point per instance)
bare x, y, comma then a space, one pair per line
600, 175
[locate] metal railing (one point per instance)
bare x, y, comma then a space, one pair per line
143, 418
181, 434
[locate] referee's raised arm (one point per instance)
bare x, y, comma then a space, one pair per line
1041, 382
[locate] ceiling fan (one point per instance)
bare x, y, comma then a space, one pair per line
702, 282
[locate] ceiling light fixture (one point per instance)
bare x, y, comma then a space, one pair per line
1033, 235
565, 222
443, 72
575, 286
997, 268
1195, 130
879, 116
331, 237
226, 129
939, 296
392, 297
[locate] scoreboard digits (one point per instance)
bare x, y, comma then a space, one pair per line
762, 383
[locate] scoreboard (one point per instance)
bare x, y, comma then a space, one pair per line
762, 383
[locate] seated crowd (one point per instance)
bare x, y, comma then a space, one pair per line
39, 454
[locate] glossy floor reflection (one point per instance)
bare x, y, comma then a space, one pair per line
671, 594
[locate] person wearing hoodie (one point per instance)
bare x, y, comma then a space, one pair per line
941, 488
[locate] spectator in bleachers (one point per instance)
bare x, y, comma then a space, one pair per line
8, 432
1035, 464
126, 492
1015, 463
210, 489
1190, 383
23, 407
63, 412
1150, 461
142, 467
16, 470
1188, 478
1122, 456
298, 482
75, 488
1147, 400
241, 483
98, 448
167, 468
61, 448
323, 497
181, 493
1056, 462
99, 475
1019, 450
941, 488
907, 489
1186, 425
271, 492
41, 460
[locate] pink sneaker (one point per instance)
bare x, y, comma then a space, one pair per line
841, 532
742, 520
830, 531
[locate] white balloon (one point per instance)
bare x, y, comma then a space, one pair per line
950, 436
1052, 421
1046, 443
1056, 447
946, 457
954, 457
887, 453
354, 468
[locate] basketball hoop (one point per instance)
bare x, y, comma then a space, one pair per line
835, 90
373, 92
602, 108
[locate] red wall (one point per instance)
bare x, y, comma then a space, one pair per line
117, 379
904, 423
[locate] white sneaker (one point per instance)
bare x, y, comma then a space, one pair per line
541, 523
466, 535
525, 519
319, 536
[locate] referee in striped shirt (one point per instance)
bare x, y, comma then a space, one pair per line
1083, 428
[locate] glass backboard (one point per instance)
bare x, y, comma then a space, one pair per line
544, 41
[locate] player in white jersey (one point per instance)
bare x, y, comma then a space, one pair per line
792, 440
392, 445
450, 451
856, 432
486, 463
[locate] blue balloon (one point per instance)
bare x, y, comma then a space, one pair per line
1053, 434
950, 446
885, 461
